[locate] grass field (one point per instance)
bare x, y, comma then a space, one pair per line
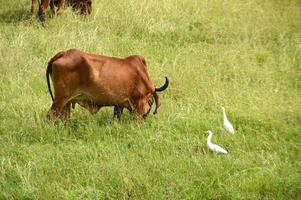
244, 55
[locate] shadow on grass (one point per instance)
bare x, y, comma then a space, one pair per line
14, 16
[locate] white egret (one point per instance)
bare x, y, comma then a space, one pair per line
227, 125
214, 147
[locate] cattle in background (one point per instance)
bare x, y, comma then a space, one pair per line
94, 81
84, 6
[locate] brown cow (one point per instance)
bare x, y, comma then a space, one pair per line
94, 81
84, 6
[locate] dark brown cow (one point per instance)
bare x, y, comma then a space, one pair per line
84, 6
94, 81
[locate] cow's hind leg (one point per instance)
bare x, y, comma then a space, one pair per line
65, 116
57, 108
61, 5
42, 9
33, 6
117, 112
52, 7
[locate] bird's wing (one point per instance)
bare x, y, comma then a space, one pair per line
218, 149
228, 126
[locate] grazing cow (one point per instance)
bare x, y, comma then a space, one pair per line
84, 6
94, 81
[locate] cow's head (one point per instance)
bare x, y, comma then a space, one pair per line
154, 97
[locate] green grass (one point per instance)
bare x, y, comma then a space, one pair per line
245, 55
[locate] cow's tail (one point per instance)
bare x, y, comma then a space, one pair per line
49, 70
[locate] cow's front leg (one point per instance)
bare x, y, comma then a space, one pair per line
117, 112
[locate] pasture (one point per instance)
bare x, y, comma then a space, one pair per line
244, 55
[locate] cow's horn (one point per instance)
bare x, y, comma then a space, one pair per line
163, 87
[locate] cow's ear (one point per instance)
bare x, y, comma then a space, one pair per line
157, 101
